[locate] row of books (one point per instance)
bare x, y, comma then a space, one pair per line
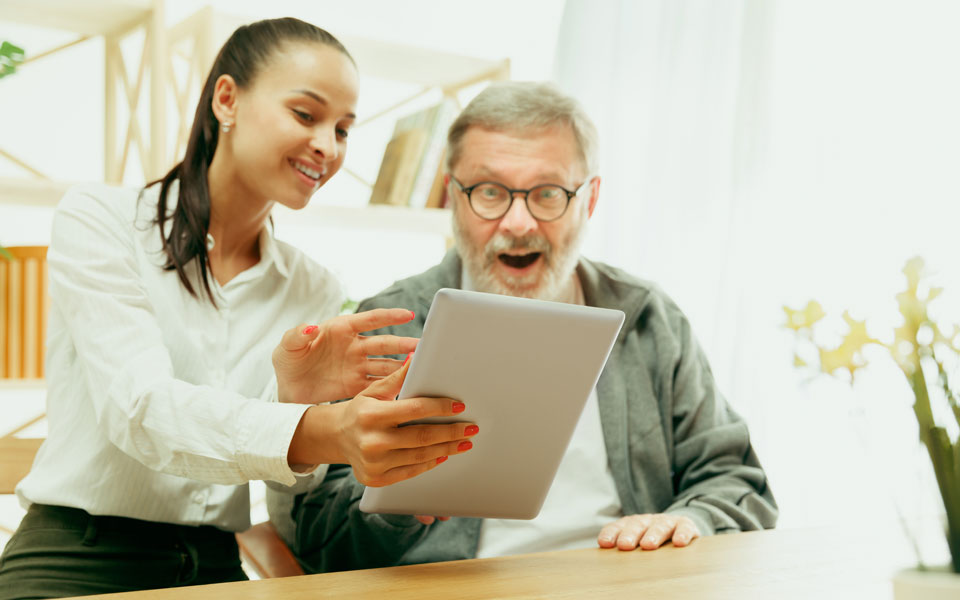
410, 172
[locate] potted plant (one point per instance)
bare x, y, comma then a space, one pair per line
926, 355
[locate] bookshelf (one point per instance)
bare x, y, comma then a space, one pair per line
149, 114
114, 21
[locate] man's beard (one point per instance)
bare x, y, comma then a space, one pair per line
552, 281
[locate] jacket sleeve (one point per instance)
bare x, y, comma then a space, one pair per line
333, 534
717, 478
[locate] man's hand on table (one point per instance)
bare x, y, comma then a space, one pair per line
649, 532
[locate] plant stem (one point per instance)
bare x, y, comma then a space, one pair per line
942, 455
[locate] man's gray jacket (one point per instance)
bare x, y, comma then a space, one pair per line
672, 442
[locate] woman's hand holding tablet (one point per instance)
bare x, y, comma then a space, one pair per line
365, 432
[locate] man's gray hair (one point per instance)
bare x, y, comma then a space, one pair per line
522, 106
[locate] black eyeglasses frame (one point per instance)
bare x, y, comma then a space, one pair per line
526, 193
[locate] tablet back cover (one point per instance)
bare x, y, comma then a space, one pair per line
524, 368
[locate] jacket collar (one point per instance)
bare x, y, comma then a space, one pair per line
444, 275
603, 286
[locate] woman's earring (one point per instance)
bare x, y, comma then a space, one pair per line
225, 127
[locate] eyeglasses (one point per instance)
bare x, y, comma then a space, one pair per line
490, 200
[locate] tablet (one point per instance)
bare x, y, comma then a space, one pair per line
524, 368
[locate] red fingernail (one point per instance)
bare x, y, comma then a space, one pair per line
407, 359
471, 430
309, 330
459, 407
412, 315
464, 446
441, 459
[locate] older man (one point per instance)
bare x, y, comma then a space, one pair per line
657, 455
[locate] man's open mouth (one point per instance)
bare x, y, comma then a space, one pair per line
519, 261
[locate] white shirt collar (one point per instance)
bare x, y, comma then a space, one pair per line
270, 253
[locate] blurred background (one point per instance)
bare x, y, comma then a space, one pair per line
754, 154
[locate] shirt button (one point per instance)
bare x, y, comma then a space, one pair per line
198, 497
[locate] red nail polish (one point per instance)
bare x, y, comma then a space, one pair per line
471, 430
459, 407
407, 359
309, 330
412, 315
441, 459
464, 446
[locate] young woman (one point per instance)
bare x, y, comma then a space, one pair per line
166, 302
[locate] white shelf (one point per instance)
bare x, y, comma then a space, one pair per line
375, 58
419, 65
389, 218
31, 192
11, 385
85, 18
38, 192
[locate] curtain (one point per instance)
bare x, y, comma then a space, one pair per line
756, 153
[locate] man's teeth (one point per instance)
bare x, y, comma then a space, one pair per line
307, 171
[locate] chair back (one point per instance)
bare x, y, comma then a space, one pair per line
24, 303
16, 458
262, 550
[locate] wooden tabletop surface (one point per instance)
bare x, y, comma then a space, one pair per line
777, 564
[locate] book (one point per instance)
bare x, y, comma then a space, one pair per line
413, 159
398, 169
439, 118
438, 192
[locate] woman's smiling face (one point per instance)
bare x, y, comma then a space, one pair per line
290, 125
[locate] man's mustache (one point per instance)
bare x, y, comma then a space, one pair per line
501, 243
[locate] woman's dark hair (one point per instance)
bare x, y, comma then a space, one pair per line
242, 57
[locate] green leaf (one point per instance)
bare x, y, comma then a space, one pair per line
349, 307
5, 254
10, 57
953, 524
952, 398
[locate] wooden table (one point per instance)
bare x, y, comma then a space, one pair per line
779, 564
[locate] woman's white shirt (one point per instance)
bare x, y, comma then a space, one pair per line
161, 406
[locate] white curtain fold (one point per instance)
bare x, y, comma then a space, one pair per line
676, 88
756, 153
